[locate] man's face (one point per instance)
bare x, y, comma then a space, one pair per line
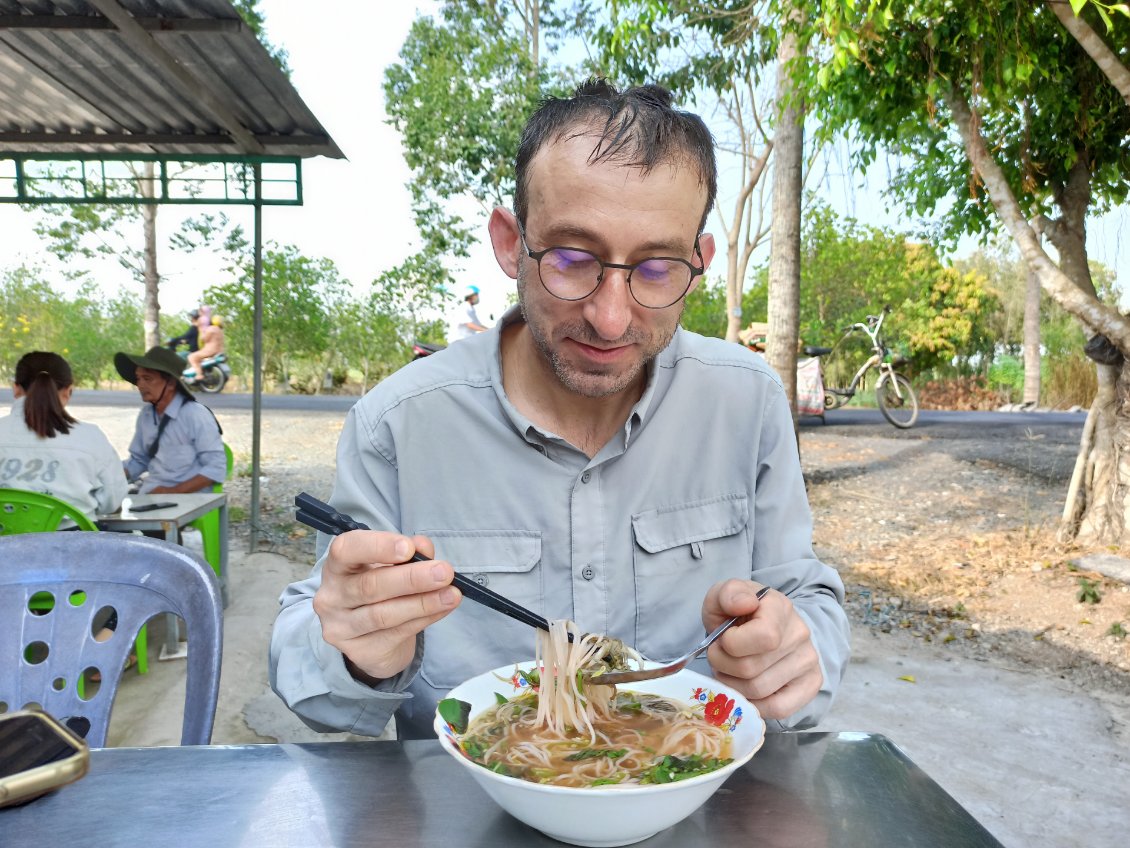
600, 345
151, 384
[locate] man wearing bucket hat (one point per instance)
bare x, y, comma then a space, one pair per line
176, 443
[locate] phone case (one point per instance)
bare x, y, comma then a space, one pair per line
26, 785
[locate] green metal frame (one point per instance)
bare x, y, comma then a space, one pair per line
93, 178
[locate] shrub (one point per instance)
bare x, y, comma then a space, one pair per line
963, 393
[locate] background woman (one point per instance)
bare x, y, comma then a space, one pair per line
44, 449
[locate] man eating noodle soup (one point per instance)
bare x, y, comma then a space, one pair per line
643, 480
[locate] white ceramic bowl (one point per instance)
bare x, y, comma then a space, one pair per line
610, 815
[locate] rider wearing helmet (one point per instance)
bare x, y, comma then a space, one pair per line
190, 337
211, 344
463, 322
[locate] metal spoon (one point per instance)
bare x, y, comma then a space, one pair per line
613, 678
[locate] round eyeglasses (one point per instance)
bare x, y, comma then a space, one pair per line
569, 273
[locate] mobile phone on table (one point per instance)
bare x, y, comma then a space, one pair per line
37, 754
151, 506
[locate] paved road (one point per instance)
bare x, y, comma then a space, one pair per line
1036, 442
1040, 443
224, 400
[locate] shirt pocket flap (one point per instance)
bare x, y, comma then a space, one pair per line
487, 551
669, 527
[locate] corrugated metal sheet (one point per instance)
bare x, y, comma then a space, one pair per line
179, 77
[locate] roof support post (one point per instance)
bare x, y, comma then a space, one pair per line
257, 360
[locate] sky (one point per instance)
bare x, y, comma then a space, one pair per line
357, 211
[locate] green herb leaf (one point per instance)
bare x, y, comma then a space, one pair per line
455, 712
672, 769
595, 753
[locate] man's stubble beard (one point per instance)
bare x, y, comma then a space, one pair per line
594, 384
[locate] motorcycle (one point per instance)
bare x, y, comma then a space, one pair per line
216, 374
422, 349
216, 371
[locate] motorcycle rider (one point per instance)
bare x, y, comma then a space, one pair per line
190, 337
463, 322
212, 344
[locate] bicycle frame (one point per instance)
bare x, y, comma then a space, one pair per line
876, 360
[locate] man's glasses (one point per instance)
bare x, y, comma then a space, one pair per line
569, 273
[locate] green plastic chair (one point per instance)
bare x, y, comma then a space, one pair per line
22, 511
209, 523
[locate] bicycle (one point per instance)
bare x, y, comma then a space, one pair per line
893, 392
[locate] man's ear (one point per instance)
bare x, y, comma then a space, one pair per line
706, 247
506, 240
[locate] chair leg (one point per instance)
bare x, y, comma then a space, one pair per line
141, 645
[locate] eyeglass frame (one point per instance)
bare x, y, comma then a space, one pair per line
537, 257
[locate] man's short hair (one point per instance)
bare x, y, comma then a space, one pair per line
637, 128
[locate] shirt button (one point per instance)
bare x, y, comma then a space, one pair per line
540, 449
589, 572
586, 476
481, 579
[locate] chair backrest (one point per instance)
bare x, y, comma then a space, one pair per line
86, 573
22, 511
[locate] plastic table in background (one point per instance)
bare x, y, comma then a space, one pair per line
168, 522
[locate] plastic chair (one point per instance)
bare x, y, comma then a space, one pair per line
209, 523
43, 656
22, 511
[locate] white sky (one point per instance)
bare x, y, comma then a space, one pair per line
357, 211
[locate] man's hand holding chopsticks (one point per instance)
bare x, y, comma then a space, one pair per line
373, 602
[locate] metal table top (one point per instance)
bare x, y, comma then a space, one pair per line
801, 789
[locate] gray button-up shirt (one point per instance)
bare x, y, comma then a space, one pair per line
190, 445
703, 483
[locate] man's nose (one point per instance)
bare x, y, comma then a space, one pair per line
609, 309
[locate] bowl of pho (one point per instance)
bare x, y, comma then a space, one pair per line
596, 765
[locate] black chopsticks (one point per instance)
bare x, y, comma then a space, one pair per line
321, 516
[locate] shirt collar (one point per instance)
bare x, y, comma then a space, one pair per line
173, 408
656, 369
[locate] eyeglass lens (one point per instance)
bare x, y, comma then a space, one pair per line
573, 274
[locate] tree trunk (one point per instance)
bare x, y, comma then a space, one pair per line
1106, 59
152, 308
1032, 340
1099, 516
737, 252
784, 252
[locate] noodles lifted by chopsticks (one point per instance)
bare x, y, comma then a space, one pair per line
563, 703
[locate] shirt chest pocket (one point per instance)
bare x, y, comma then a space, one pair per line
680, 552
474, 638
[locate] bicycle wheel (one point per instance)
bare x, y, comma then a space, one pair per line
896, 400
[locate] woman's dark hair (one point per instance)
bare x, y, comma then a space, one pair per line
638, 127
42, 375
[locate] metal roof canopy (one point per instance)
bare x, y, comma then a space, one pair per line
89, 86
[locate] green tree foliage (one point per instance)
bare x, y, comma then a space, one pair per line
850, 270
460, 96
1039, 100
301, 297
87, 329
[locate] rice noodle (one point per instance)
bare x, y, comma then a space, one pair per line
629, 732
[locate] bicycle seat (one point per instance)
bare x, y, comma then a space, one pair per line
813, 350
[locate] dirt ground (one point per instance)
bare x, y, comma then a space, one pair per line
962, 552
